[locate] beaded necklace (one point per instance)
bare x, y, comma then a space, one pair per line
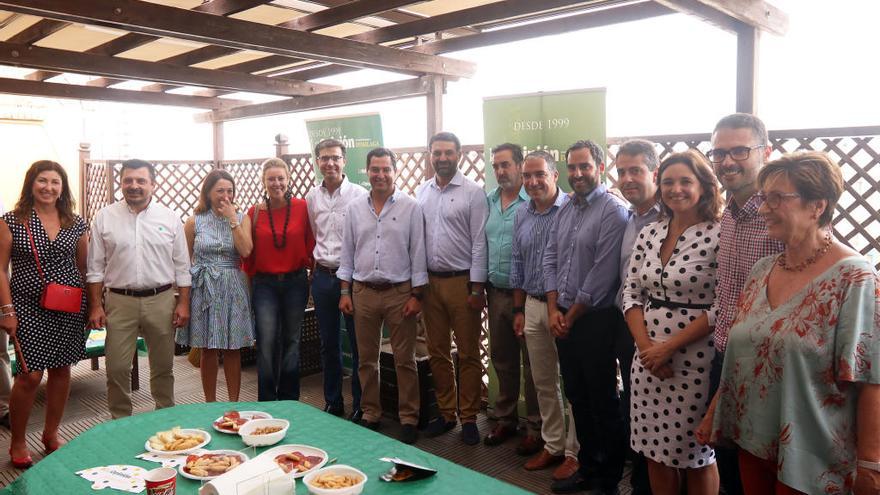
283, 242
821, 250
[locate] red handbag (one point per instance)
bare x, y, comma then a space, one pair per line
55, 297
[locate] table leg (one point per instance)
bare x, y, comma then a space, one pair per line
95, 366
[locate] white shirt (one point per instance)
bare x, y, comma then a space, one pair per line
138, 250
327, 217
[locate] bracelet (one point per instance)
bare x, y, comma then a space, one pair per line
344, 292
519, 310
234, 225
6, 306
873, 466
475, 293
9, 314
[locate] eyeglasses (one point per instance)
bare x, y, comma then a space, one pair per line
738, 153
773, 199
329, 158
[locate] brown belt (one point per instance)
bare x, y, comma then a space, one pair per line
542, 297
458, 273
502, 290
381, 286
140, 292
326, 269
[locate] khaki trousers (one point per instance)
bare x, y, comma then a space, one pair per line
447, 315
127, 318
509, 355
545, 373
371, 309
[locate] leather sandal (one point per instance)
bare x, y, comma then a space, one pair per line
21, 462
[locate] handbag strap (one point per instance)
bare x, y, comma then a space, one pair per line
27, 229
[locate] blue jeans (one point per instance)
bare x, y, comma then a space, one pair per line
279, 303
325, 294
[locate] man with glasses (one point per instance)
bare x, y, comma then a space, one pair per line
740, 146
327, 204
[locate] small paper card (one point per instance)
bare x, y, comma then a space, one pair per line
117, 476
169, 460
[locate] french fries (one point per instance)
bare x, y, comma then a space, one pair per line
334, 481
174, 440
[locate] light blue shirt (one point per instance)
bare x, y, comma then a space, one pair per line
388, 247
634, 225
499, 236
531, 230
455, 226
582, 258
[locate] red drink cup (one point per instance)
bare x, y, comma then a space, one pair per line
161, 481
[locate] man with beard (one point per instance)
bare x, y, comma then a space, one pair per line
740, 146
137, 251
455, 212
636, 164
327, 203
382, 272
581, 279
506, 351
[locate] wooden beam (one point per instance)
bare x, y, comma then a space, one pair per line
217, 135
366, 94
747, 68
228, 7
343, 13
81, 63
726, 14
160, 20
73, 91
37, 31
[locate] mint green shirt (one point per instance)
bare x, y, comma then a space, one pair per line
499, 235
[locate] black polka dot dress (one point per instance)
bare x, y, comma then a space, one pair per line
49, 339
665, 413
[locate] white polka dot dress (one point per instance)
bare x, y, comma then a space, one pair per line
49, 339
665, 413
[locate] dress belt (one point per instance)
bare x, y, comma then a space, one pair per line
140, 292
665, 303
502, 290
541, 297
325, 269
381, 286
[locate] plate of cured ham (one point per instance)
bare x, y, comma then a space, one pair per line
297, 460
231, 421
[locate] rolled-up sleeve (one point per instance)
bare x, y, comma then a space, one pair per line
96, 259
633, 292
180, 256
418, 258
346, 255
516, 261
479, 248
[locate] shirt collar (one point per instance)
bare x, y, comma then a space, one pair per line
750, 209
457, 180
393, 199
561, 198
342, 186
594, 194
651, 211
495, 195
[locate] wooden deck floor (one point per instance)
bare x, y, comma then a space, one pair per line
87, 407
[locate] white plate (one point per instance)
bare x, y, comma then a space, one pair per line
242, 414
204, 434
307, 450
244, 458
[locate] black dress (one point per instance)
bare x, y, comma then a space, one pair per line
49, 339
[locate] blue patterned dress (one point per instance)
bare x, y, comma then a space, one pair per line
220, 310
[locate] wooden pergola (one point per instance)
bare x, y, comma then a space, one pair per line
212, 54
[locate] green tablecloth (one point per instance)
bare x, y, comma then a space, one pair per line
119, 441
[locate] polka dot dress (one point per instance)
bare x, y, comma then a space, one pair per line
665, 413
49, 339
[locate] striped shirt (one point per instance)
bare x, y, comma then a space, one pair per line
743, 242
531, 230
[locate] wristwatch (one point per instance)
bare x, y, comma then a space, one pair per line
873, 466
418, 295
519, 309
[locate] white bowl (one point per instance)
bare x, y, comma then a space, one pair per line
246, 431
243, 457
206, 437
340, 469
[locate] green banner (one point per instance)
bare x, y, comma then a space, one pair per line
359, 133
544, 121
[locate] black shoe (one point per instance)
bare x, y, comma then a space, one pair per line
371, 425
607, 490
408, 434
335, 410
4, 421
470, 435
573, 484
438, 426
356, 416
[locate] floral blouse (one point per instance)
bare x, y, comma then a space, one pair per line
788, 390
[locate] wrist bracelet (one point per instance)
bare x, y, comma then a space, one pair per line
417, 295
6, 306
234, 225
344, 292
9, 314
475, 293
873, 466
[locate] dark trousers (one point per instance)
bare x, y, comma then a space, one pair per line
588, 364
325, 294
625, 349
726, 457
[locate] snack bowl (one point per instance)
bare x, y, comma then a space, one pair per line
242, 458
248, 437
206, 438
338, 470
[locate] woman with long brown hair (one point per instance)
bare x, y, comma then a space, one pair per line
46, 242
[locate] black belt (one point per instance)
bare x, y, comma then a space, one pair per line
326, 269
282, 276
140, 292
663, 303
381, 286
457, 273
542, 297
502, 290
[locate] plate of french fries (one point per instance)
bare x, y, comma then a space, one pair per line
211, 464
177, 441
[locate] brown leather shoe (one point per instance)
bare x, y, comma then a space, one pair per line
567, 469
499, 435
542, 461
530, 445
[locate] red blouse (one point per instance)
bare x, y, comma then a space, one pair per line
296, 253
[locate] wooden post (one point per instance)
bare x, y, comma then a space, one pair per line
434, 101
217, 128
85, 152
746, 68
280, 145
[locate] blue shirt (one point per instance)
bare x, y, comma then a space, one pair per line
582, 258
388, 247
531, 230
499, 236
455, 226
634, 225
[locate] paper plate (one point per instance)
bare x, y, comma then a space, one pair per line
307, 450
244, 415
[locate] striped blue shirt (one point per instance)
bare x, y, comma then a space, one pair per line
531, 231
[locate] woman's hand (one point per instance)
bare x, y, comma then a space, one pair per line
867, 482
656, 356
9, 324
227, 209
